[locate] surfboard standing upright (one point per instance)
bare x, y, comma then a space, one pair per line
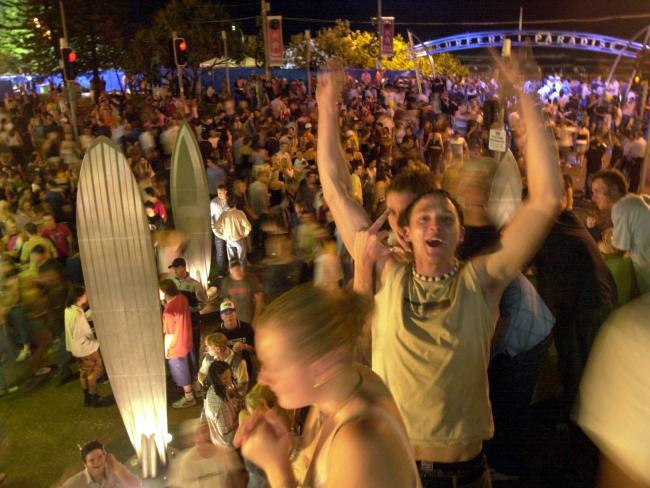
191, 203
121, 278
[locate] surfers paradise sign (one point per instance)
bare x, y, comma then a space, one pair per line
535, 38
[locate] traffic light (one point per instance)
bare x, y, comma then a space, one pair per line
69, 63
179, 47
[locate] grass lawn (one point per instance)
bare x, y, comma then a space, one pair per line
46, 423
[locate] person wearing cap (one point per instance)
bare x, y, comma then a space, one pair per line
196, 297
216, 346
307, 137
177, 327
245, 290
240, 335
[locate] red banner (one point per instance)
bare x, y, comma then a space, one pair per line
276, 48
387, 34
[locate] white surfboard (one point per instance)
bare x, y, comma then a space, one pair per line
119, 268
190, 200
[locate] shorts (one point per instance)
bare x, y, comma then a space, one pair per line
91, 366
180, 369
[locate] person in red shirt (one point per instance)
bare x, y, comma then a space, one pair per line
158, 205
177, 327
58, 233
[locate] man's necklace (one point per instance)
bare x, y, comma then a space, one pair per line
437, 279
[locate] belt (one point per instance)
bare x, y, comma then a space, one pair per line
453, 474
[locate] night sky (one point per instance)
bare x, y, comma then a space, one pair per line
455, 10
448, 11
442, 11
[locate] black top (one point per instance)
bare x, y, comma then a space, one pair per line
572, 273
244, 333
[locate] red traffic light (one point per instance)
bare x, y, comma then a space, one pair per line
72, 57
182, 46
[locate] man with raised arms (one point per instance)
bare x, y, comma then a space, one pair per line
435, 316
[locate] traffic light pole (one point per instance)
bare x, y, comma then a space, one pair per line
379, 33
415, 63
265, 32
224, 37
179, 74
308, 39
72, 101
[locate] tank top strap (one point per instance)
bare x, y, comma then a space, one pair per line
343, 418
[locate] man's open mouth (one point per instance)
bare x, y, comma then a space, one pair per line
434, 243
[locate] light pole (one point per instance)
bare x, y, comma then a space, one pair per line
308, 39
63, 43
379, 33
224, 37
265, 32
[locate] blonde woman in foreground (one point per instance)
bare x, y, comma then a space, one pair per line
355, 434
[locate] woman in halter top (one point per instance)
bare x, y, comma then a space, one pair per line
354, 435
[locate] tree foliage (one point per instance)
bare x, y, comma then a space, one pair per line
30, 32
359, 49
193, 20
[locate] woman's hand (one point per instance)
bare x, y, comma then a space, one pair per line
265, 440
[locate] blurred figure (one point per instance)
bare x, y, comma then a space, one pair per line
614, 396
204, 464
328, 271
281, 269
357, 431
101, 469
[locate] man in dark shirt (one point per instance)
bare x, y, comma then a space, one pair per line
245, 291
578, 288
240, 335
594, 156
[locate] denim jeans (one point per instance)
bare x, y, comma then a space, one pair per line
512, 383
222, 257
237, 251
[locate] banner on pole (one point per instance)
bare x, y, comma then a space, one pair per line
276, 47
387, 34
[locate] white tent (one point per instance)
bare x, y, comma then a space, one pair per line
247, 62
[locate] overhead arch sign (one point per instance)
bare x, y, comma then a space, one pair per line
535, 38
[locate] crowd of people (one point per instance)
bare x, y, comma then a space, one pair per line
374, 325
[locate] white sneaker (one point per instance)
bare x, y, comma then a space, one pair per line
184, 403
24, 354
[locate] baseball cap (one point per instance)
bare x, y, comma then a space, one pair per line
226, 305
177, 262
